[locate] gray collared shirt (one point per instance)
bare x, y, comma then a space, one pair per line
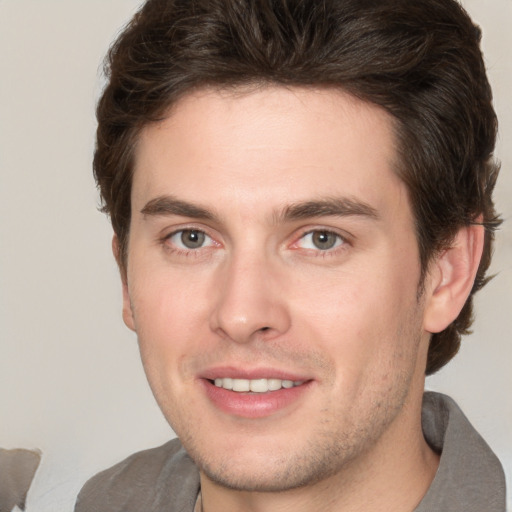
470, 477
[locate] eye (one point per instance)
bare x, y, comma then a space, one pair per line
188, 239
321, 240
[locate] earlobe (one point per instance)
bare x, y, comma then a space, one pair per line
451, 278
127, 306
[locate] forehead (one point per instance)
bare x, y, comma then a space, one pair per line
269, 144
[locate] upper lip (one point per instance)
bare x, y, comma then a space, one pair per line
251, 374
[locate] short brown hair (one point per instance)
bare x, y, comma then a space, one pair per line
419, 60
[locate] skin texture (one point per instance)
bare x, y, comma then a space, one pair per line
257, 295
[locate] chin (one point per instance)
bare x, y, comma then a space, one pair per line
273, 470
267, 479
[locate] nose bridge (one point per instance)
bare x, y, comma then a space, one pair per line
250, 297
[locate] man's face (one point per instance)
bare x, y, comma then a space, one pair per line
272, 249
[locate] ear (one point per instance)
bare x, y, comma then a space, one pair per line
451, 278
127, 306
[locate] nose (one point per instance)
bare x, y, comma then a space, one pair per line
251, 300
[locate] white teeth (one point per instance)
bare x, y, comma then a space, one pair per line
241, 385
258, 386
255, 385
274, 384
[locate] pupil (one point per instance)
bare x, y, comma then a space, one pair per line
192, 239
324, 239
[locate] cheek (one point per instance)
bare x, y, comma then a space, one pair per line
170, 319
166, 299
359, 319
164, 321
349, 304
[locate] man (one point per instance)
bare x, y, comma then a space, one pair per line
301, 194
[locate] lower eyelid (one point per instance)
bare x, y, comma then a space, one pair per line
167, 241
180, 248
341, 240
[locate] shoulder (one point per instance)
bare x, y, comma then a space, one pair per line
149, 480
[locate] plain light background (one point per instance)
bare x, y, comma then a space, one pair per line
71, 383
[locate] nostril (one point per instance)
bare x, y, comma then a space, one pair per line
264, 329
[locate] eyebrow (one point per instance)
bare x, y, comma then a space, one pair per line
169, 205
336, 207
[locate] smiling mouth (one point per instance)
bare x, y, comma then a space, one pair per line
255, 385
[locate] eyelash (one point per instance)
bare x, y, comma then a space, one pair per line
174, 249
341, 243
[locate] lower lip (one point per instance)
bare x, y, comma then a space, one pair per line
253, 405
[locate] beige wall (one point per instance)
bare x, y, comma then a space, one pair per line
70, 379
